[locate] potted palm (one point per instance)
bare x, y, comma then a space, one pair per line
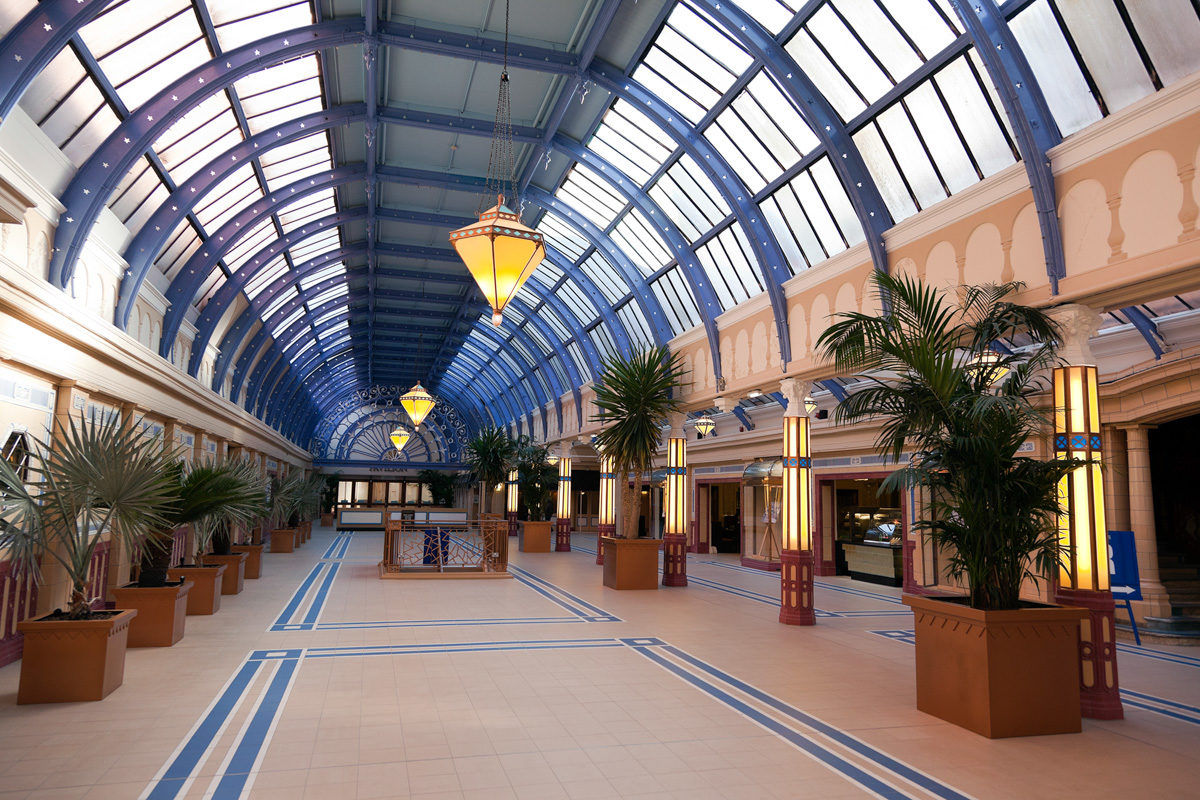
285, 504
441, 486
95, 480
329, 494
245, 494
634, 396
253, 548
942, 383
537, 482
489, 455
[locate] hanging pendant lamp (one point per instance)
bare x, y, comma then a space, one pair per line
499, 251
418, 403
399, 438
704, 425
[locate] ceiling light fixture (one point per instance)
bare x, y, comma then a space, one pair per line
499, 251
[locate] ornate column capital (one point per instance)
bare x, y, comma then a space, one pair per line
1078, 324
794, 390
675, 422
725, 404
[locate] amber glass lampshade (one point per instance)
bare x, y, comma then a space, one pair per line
399, 438
418, 403
500, 253
704, 425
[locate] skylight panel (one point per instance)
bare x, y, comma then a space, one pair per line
329, 294
279, 328
240, 22
641, 242
628, 139
277, 268
143, 46
772, 14
325, 273
275, 95
691, 63
591, 195
243, 253
610, 282
331, 333
635, 324
307, 346
676, 300
562, 236
296, 160
308, 208
201, 135
281, 299
228, 197
812, 218
689, 198
728, 261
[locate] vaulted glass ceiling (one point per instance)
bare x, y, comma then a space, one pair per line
287, 170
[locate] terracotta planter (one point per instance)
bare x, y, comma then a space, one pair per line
205, 596
69, 661
253, 561
534, 537
235, 570
631, 563
283, 540
161, 613
998, 673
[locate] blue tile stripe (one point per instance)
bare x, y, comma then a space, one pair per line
293, 605
576, 605
1159, 655
835, 587
835, 734
175, 776
318, 603
440, 623
256, 734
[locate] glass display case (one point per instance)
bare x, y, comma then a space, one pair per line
762, 504
870, 541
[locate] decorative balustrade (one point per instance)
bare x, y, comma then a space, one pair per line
97, 582
18, 599
445, 547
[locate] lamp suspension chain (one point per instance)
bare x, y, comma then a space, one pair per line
501, 177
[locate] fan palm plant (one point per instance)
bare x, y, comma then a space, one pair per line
537, 479
95, 478
941, 383
244, 491
634, 395
490, 455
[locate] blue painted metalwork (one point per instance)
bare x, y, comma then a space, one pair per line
1033, 125
371, 132
1147, 329
743, 417
35, 40
578, 406
558, 412
817, 111
693, 273
772, 264
835, 389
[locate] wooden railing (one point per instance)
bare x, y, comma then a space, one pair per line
446, 547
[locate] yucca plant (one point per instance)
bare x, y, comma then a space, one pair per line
490, 455
942, 383
94, 478
634, 395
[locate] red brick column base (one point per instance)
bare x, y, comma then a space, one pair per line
512, 523
562, 536
1099, 689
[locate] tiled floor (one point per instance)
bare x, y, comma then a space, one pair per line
321, 681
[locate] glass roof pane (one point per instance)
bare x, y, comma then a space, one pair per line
811, 217
1057, 72
689, 198
275, 268
334, 270
772, 14
592, 196
1169, 29
641, 242
562, 236
610, 282
201, 135
277, 94
635, 325
296, 160
1103, 43
240, 22
676, 299
631, 142
728, 262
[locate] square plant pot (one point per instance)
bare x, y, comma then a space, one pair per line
631, 563
253, 561
235, 570
283, 540
998, 673
161, 612
73, 660
534, 537
205, 596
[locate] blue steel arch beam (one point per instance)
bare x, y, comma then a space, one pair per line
498, 403
36, 40
771, 262
100, 175
216, 307
260, 388
450, 427
818, 112
689, 265
192, 275
1033, 125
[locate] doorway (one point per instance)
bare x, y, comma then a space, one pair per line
1173, 465
725, 518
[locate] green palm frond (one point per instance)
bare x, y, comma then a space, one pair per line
634, 396
490, 455
993, 511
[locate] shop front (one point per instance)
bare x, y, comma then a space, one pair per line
762, 504
861, 529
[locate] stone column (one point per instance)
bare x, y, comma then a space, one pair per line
796, 554
562, 524
1084, 580
1156, 602
675, 499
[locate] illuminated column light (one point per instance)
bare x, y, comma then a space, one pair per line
676, 509
562, 526
1083, 577
510, 502
608, 504
796, 558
